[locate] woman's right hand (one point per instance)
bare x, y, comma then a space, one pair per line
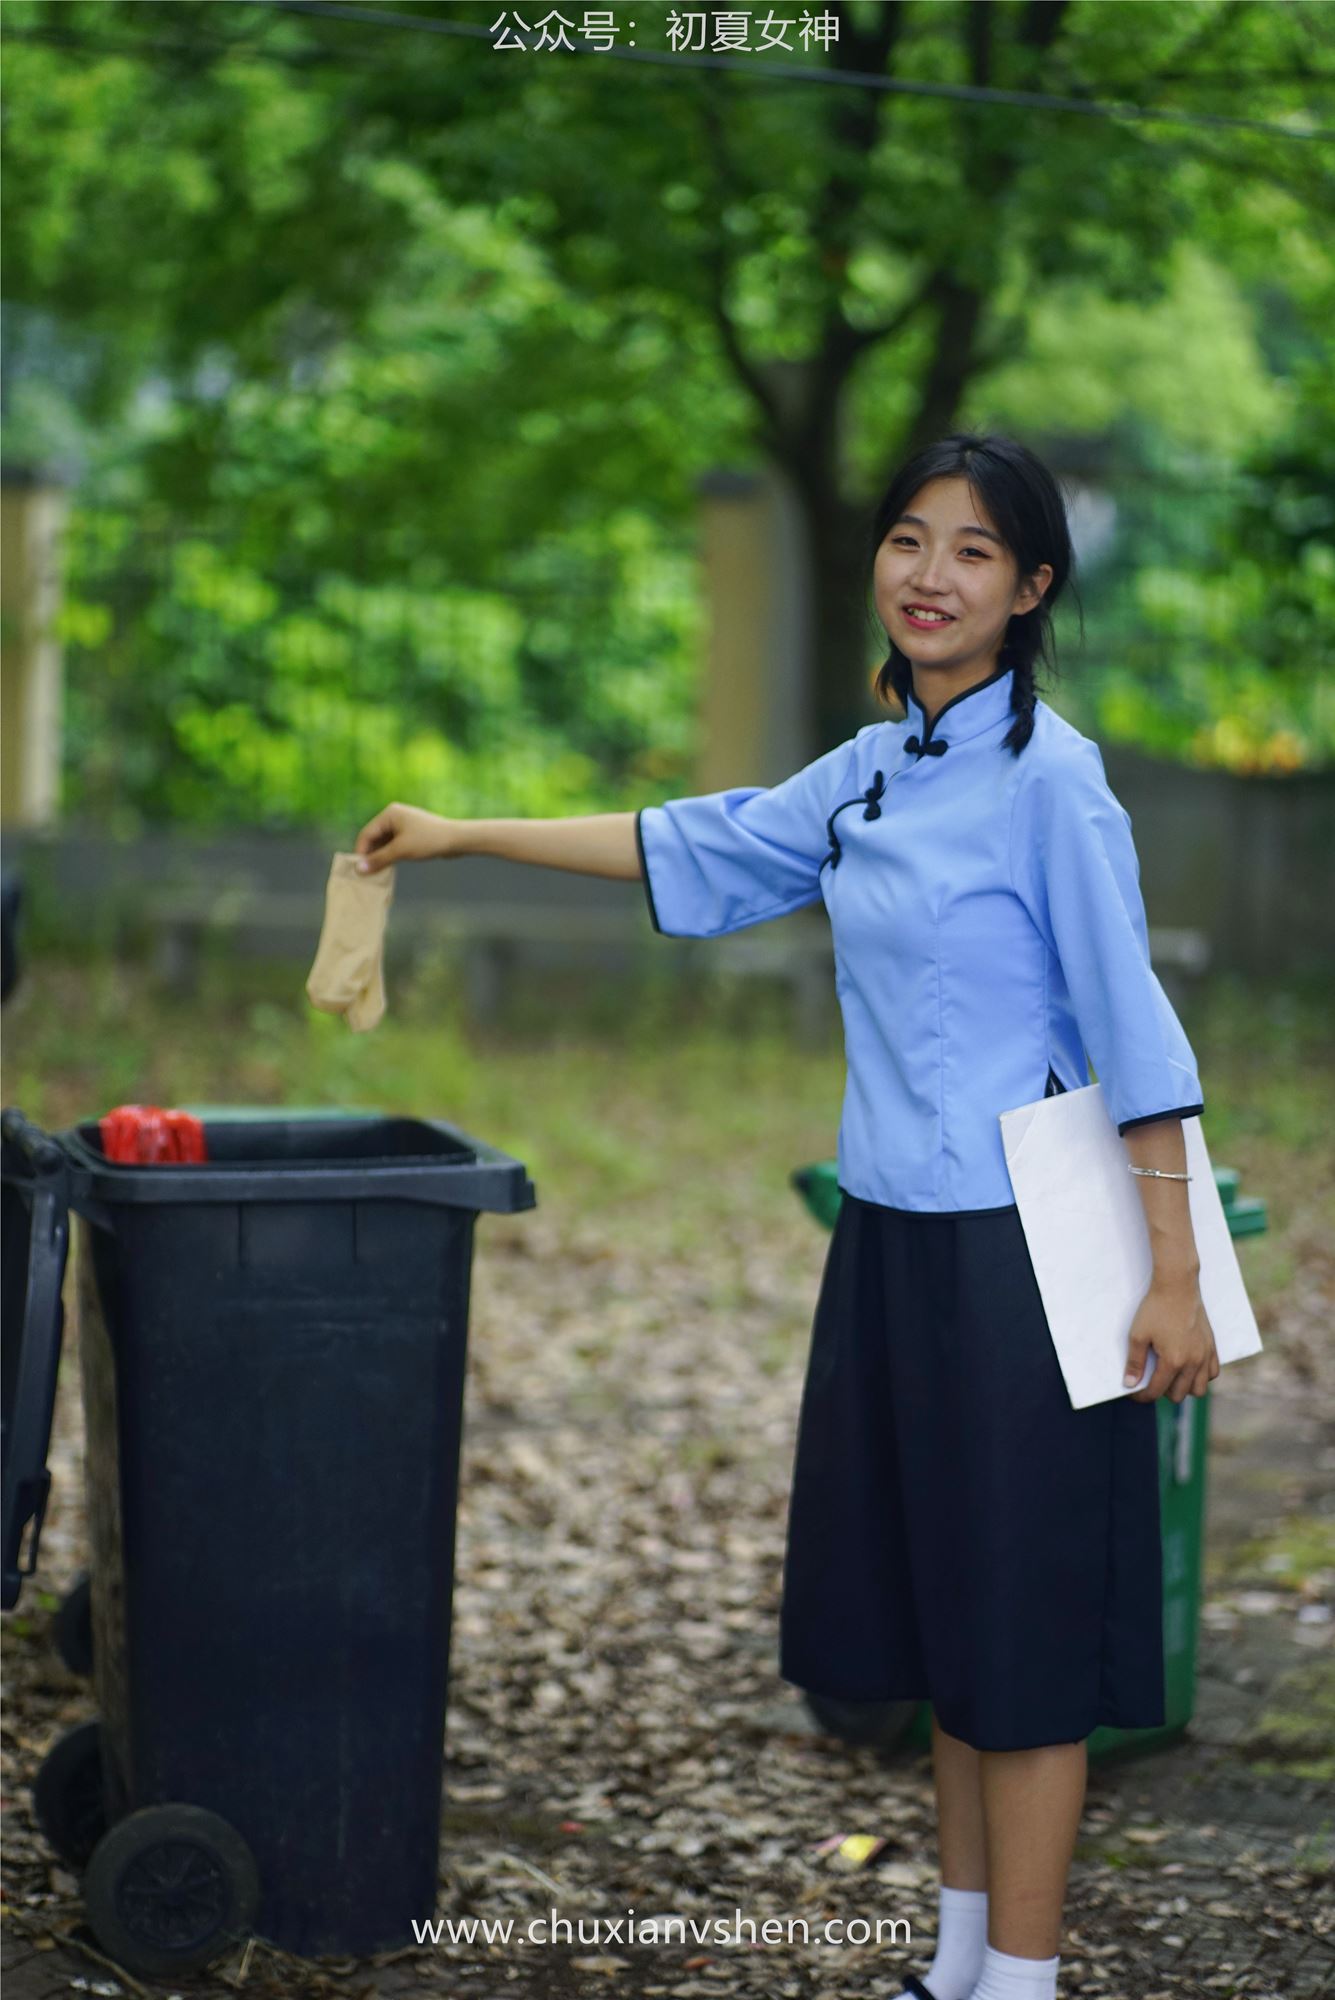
402, 833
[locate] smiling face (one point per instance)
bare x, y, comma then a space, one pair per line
945, 555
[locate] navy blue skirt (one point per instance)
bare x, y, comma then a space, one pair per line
956, 1531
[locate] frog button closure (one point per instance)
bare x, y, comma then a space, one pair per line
870, 810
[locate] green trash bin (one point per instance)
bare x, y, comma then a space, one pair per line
1184, 1435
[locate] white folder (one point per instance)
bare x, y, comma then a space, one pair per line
1089, 1243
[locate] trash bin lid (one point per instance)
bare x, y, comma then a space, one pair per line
34, 1246
355, 1156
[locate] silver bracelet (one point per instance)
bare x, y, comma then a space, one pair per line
1161, 1173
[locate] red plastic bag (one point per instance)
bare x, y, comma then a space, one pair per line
146, 1135
188, 1133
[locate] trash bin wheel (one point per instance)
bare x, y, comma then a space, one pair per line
67, 1794
882, 1724
73, 1626
170, 1888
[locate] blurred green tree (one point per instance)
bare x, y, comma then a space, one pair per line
415, 316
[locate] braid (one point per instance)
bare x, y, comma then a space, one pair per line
895, 676
1023, 696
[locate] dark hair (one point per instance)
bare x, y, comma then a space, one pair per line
1028, 509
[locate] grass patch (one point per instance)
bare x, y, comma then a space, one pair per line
1295, 1733
1300, 1551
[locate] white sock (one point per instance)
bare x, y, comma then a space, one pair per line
1005, 1977
961, 1937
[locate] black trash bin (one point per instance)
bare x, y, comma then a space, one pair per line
272, 1350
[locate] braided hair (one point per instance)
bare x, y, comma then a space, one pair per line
1028, 509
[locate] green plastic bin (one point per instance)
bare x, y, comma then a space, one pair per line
1184, 1435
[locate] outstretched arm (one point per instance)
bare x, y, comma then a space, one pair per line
587, 844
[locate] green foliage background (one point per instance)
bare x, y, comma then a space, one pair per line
386, 378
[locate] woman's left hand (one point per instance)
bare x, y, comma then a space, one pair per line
1172, 1320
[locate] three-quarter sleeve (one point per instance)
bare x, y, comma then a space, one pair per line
1074, 866
722, 860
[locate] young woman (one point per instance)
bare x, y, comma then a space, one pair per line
957, 1532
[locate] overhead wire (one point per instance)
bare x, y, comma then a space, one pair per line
821, 74
756, 68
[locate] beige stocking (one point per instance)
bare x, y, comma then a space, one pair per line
347, 977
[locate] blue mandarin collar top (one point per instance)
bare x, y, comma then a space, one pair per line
989, 934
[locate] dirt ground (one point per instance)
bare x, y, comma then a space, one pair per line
618, 1737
